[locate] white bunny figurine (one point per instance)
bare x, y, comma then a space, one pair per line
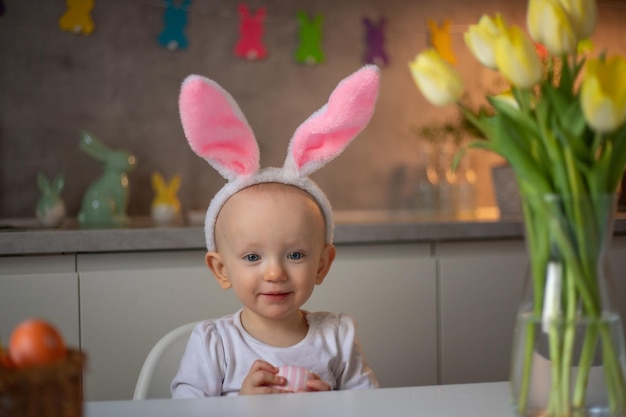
217, 131
105, 201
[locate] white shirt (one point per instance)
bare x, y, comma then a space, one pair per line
220, 353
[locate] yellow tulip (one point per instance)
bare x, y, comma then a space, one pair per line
481, 38
583, 16
603, 93
440, 83
517, 59
549, 24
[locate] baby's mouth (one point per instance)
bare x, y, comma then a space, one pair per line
275, 296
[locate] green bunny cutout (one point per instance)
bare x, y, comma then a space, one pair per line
310, 33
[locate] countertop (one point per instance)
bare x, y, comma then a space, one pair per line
25, 236
468, 400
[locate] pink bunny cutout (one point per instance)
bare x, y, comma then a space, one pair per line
250, 43
217, 131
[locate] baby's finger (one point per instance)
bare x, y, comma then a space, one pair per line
261, 365
264, 378
317, 384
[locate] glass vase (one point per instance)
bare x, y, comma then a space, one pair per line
568, 351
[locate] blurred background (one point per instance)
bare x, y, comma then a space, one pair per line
122, 86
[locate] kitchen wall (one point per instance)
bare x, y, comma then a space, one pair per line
119, 84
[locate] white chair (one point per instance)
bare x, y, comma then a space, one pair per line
162, 363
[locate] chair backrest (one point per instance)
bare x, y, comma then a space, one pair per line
162, 363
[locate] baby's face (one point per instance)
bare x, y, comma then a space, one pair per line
271, 240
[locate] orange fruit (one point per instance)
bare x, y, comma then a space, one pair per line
36, 342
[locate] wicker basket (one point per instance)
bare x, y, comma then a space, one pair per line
51, 390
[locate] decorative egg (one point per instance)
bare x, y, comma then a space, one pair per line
36, 342
296, 377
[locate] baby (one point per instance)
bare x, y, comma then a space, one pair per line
269, 237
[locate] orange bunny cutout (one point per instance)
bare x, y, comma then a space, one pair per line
441, 39
77, 17
165, 205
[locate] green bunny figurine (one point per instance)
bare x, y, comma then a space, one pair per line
106, 200
50, 208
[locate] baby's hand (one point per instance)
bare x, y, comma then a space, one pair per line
260, 378
316, 383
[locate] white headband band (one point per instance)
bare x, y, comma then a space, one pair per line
217, 131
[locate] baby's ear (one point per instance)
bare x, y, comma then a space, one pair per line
215, 263
326, 260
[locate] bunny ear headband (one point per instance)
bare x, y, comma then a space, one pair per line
217, 131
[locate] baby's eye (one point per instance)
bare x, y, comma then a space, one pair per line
252, 257
294, 256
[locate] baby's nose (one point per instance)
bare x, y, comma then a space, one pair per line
275, 271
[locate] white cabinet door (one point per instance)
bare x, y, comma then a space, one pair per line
39, 286
130, 300
480, 290
390, 290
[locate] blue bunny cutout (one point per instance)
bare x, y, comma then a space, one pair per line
175, 20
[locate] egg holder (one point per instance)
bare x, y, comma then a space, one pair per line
296, 377
55, 389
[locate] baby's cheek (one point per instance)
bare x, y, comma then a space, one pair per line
296, 377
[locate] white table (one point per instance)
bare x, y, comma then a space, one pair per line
466, 400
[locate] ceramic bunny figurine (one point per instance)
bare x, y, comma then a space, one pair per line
105, 201
165, 206
50, 207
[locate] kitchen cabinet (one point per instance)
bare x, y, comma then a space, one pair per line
391, 291
129, 300
480, 288
481, 285
43, 286
426, 312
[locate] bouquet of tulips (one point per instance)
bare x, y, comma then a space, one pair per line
562, 129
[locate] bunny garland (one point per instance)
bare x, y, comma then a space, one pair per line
217, 131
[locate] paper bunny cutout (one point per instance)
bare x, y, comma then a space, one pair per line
250, 44
441, 39
174, 19
217, 131
310, 35
77, 17
375, 42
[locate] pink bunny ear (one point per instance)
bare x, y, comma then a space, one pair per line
327, 132
216, 128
